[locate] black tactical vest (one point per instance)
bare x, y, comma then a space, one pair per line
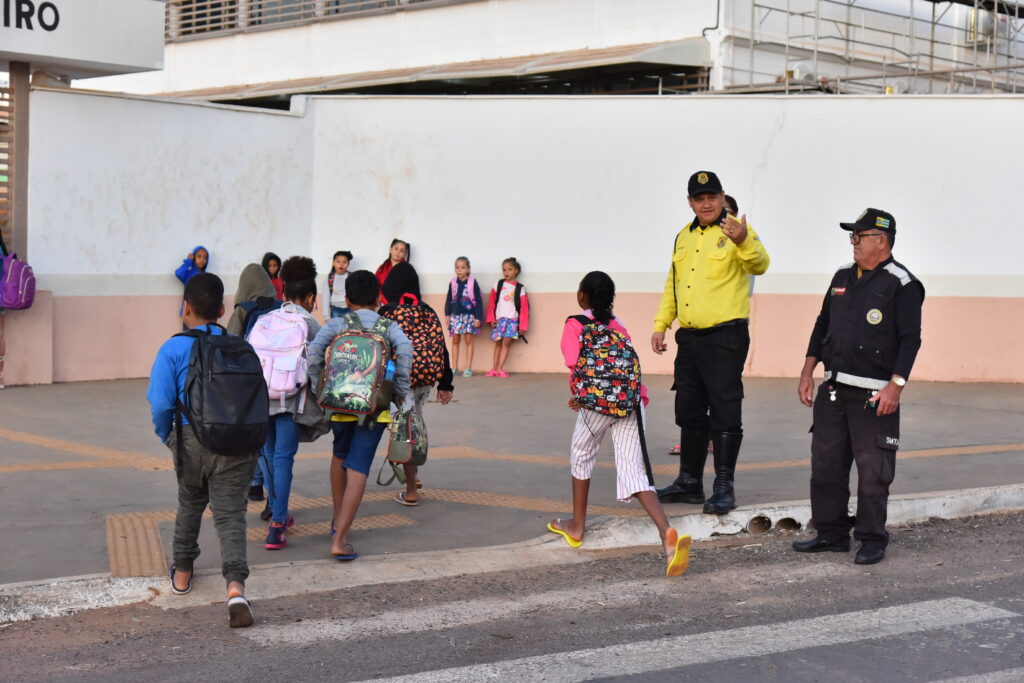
861, 340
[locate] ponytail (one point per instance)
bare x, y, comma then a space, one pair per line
600, 291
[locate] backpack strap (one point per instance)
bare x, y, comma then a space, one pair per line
497, 295
353, 321
581, 319
381, 326
470, 289
330, 282
517, 297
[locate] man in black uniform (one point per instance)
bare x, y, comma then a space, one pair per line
867, 334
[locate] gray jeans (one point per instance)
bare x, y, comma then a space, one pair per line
221, 481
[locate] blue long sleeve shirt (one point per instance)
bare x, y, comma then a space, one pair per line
167, 380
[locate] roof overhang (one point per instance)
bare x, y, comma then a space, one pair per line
692, 52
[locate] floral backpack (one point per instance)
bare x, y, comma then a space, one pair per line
606, 378
424, 330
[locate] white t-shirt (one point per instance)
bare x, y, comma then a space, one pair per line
507, 302
337, 293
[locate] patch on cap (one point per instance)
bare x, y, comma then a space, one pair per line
882, 223
702, 178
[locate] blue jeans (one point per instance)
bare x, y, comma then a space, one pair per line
355, 446
257, 478
339, 311
277, 462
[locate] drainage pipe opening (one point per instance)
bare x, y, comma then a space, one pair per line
787, 525
758, 525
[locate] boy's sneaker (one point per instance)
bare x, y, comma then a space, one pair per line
467, 373
239, 612
275, 537
255, 493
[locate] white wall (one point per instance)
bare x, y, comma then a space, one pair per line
121, 188
572, 184
125, 187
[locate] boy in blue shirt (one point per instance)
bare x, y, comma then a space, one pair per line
354, 443
205, 477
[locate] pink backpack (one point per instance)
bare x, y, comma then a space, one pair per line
470, 290
279, 338
18, 286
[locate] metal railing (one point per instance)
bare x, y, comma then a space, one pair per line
186, 19
851, 41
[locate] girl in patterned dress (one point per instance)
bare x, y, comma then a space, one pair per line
508, 314
463, 312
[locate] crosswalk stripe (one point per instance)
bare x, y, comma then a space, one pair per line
702, 648
459, 613
1006, 676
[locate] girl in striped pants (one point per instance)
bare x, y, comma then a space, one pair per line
632, 470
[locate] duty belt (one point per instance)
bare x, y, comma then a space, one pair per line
855, 381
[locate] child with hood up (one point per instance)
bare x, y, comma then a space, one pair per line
272, 264
192, 265
255, 292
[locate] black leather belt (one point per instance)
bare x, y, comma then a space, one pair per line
700, 332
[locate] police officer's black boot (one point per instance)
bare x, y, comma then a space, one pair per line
689, 485
727, 450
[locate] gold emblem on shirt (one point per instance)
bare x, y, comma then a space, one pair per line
721, 242
874, 316
702, 178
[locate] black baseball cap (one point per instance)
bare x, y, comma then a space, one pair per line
703, 181
872, 219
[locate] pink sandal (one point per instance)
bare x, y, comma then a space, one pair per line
501, 373
492, 373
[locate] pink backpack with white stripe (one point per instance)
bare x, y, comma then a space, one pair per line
279, 338
18, 284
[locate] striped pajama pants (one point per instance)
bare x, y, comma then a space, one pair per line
630, 472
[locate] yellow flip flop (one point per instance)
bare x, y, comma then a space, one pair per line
681, 557
573, 543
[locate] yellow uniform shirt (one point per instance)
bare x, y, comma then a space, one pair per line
710, 281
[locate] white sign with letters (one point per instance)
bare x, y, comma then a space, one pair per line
83, 37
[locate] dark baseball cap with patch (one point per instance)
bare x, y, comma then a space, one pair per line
703, 181
872, 219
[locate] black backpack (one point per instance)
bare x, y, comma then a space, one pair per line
517, 299
225, 394
254, 309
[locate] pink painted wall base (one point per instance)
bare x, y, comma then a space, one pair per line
77, 338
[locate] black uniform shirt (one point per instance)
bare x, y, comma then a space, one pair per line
870, 326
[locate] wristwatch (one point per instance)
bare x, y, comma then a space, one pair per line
899, 381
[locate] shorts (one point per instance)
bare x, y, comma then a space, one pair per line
505, 328
355, 446
630, 463
462, 323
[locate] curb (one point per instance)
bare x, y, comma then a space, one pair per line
65, 596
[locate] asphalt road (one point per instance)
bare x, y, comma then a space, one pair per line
947, 604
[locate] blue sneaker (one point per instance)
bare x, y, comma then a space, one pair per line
275, 537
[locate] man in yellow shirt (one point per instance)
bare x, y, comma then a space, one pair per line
708, 292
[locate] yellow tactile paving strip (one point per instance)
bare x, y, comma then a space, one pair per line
108, 457
388, 521
501, 500
135, 548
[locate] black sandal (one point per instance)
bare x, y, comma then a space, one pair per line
175, 589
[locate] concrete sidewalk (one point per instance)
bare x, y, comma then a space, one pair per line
88, 489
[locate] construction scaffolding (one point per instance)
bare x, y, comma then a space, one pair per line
879, 46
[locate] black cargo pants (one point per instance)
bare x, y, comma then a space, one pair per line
845, 431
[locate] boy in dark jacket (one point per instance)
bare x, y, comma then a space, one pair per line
205, 477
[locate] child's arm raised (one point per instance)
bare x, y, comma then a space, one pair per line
188, 265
